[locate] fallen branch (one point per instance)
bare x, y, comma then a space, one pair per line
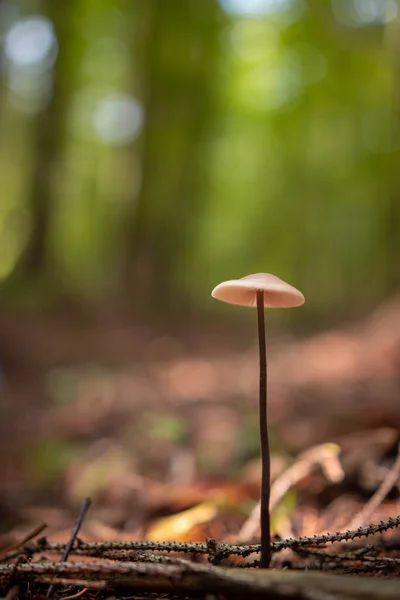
390, 480
67, 550
34, 533
324, 455
218, 550
278, 584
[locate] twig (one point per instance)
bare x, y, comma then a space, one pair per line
340, 536
82, 514
35, 532
99, 584
84, 508
141, 556
325, 455
30, 536
359, 554
10, 579
260, 583
77, 595
390, 480
383, 560
225, 550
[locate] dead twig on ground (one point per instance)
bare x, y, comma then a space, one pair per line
34, 533
77, 595
141, 569
325, 455
82, 514
224, 550
373, 503
278, 584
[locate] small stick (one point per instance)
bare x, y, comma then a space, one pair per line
25, 540
98, 548
30, 535
390, 480
99, 584
322, 454
232, 582
77, 595
84, 508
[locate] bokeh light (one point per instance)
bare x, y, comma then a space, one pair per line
118, 119
258, 7
30, 49
31, 43
358, 13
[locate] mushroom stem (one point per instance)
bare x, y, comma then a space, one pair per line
265, 557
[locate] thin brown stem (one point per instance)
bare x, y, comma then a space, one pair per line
67, 550
265, 557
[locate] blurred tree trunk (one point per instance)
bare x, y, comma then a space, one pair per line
48, 141
393, 176
178, 97
23, 381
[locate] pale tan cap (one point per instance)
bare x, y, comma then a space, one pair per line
277, 293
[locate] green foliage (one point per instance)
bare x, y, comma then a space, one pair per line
166, 427
284, 510
48, 459
268, 143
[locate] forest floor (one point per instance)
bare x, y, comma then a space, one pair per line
167, 449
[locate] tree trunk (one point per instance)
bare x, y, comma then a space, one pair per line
48, 143
180, 49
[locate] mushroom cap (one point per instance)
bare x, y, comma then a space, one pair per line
243, 292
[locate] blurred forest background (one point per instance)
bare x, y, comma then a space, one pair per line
149, 150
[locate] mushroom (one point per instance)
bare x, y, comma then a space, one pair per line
259, 290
